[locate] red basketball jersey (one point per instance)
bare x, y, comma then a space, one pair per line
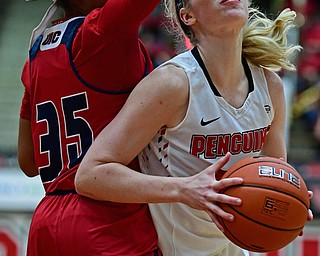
78, 76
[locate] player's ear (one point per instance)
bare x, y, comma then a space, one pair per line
187, 17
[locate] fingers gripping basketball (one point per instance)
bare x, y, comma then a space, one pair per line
274, 207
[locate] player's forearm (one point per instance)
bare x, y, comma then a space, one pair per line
117, 183
25, 149
128, 13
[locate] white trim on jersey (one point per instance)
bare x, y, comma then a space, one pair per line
37, 31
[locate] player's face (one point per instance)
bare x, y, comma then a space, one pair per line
217, 16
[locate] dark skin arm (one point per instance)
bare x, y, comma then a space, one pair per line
25, 149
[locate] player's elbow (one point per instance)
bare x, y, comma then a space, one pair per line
79, 182
83, 181
28, 167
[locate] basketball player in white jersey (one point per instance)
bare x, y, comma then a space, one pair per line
193, 116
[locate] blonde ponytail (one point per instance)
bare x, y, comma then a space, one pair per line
265, 41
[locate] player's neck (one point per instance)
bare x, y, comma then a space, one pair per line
225, 67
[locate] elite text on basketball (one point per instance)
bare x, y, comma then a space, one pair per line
269, 171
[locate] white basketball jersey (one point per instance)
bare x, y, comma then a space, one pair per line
210, 129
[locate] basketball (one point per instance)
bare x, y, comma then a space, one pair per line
274, 207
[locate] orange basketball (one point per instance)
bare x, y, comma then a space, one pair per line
274, 208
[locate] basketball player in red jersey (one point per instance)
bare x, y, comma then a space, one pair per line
79, 73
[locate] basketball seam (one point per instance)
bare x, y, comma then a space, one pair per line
252, 247
268, 161
265, 225
274, 189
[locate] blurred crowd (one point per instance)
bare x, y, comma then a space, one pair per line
159, 42
307, 102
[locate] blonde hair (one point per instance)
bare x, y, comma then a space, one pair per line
264, 40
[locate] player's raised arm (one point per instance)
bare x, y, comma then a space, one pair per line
25, 149
128, 14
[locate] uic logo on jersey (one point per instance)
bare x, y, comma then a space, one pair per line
271, 172
52, 38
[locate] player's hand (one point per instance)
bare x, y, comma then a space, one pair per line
310, 214
203, 192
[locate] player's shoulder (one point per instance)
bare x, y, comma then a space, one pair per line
172, 77
272, 78
275, 86
175, 69
167, 84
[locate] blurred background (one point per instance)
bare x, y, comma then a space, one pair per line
19, 195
